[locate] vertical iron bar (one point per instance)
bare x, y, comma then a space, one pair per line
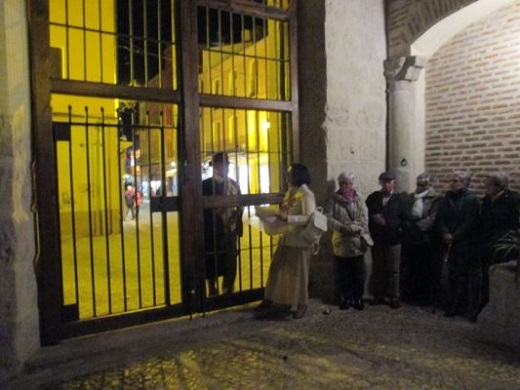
100, 31
84, 10
137, 236
267, 59
105, 200
73, 210
145, 40
244, 56
231, 88
221, 53
164, 216
152, 241
89, 195
131, 40
67, 37
159, 46
121, 194
208, 46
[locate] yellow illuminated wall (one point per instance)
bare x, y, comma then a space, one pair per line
83, 46
253, 70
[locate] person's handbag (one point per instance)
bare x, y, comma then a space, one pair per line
366, 242
315, 227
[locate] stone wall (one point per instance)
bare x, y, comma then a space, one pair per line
472, 100
19, 335
348, 130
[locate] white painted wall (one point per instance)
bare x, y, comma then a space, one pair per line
355, 123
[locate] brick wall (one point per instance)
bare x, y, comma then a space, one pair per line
473, 101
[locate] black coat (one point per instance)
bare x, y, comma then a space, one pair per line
395, 213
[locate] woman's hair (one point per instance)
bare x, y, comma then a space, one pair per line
465, 177
300, 175
346, 176
500, 180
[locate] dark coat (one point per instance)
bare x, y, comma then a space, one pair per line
458, 216
395, 214
498, 217
219, 235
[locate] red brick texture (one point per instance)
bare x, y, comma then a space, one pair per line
473, 101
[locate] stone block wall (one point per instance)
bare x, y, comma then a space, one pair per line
473, 103
19, 336
350, 104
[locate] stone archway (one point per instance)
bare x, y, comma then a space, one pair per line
412, 41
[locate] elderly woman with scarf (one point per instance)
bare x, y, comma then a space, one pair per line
347, 218
420, 265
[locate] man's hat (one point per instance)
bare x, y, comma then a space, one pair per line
220, 157
387, 176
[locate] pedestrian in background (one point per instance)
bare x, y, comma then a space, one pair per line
130, 201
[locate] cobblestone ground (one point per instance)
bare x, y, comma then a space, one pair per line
377, 348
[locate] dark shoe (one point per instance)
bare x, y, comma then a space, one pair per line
300, 312
395, 304
377, 301
358, 304
265, 304
344, 304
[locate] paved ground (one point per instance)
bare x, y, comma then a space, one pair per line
378, 348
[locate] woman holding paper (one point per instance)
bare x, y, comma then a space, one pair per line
289, 271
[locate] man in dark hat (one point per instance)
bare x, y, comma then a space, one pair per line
387, 213
222, 227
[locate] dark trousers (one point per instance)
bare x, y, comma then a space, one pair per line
349, 277
465, 284
386, 261
222, 261
420, 272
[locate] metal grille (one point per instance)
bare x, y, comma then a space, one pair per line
123, 120
255, 142
243, 55
124, 42
116, 257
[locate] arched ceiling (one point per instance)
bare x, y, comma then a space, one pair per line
428, 43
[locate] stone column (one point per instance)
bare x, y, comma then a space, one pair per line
404, 152
19, 331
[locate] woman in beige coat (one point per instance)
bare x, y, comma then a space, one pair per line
347, 218
289, 271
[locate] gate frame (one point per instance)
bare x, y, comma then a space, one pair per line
48, 262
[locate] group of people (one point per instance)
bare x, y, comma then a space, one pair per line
412, 238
